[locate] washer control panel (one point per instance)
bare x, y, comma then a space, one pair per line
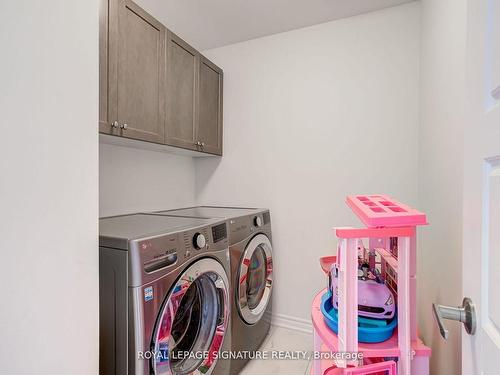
244, 226
161, 254
219, 232
202, 239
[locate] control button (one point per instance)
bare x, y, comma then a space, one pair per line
199, 241
257, 221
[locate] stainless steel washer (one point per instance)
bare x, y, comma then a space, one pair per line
251, 253
164, 294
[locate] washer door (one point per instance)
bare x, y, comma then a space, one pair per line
192, 322
255, 279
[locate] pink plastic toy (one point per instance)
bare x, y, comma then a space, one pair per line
383, 211
380, 368
327, 263
375, 298
391, 233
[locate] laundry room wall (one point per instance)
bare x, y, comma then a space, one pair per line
49, 318
311, 116
440, 173
133, 180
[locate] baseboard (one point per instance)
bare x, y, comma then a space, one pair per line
291, 322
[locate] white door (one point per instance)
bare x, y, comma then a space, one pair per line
481, 199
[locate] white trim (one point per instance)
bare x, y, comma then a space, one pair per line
291, 322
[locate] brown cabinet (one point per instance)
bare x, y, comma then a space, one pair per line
154, 86
104, 122
209, 122
135, 103
182, 80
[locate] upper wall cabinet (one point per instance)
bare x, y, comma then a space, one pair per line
154, 86
135, 74
182, 78
104, 124
209, 126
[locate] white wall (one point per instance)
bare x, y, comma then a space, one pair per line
133, 180
311, 116
440, 173
48, 188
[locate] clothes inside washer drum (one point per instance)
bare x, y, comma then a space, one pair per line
256, 279
194, 325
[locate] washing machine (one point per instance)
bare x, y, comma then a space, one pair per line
164, 294
251, 253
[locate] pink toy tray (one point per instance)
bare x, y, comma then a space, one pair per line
383, 211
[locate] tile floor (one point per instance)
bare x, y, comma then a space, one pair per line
282, 339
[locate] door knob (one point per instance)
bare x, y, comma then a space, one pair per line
465, 314
124, 126
114, 124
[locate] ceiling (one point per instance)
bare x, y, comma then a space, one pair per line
214, 23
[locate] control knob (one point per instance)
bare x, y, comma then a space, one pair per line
257, 221
199, 241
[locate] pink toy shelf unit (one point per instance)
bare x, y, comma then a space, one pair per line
374, 262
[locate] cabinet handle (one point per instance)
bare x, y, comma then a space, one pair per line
198, 143
114, 124
202, 144
124, 126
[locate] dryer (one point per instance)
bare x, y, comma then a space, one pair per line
164, 293
251, 253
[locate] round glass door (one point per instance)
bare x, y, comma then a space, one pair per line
255, 279
192, 322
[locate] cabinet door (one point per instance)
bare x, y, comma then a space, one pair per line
136, 92
105, 124
209, 121
181, 93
